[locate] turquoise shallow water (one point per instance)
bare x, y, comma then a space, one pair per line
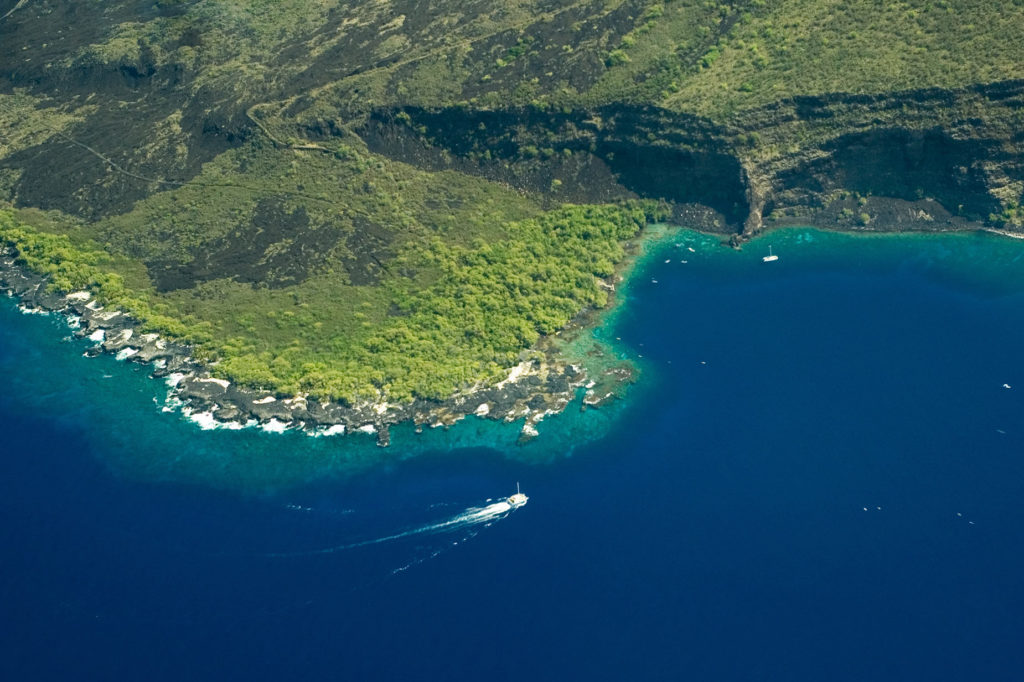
818, 476
121, 413
120, 407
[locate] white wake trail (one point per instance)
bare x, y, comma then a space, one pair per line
474, 516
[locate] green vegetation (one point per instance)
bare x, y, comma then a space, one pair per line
294, 59
69, 268
285, 184
482, 307
75, 268
1010, 217
807, 47
338, 192
461, 315
26, 121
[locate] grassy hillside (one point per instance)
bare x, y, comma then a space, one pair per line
440, 317
766, 50
211, 161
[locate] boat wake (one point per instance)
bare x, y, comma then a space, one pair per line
471, 519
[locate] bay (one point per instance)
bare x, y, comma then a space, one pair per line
817, 476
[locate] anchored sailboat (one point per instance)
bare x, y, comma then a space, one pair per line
771, 256
517, 500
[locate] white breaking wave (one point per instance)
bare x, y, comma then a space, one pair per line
205, 420
468, 519
275, 426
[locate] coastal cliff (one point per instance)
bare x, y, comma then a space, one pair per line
395, 208
921, 159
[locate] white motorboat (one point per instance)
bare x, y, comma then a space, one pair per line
518, 499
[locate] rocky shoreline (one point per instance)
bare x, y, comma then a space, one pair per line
535, 388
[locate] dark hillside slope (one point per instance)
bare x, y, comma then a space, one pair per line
291, 186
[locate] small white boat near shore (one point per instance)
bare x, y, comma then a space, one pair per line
771, 257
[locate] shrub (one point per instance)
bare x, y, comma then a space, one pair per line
616, 58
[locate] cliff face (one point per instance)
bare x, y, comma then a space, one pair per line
580, 156
280, 181
922, 159
573, 101
961, 152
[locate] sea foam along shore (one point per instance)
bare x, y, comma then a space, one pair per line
540, 385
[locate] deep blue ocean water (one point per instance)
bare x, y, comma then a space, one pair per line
819, 476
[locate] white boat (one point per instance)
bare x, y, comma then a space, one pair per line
518, 499
771, 256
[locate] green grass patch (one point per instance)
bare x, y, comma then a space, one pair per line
804, 47
457, 315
